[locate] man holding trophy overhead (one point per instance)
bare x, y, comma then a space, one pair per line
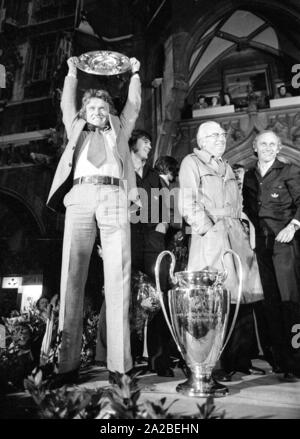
94, 175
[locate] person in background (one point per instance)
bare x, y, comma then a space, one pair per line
282, 92
215, 101
271, 194
175, 239
148, 231
42, 305
239, 172
201, 103
167, 168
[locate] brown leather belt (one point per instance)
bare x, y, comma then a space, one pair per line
98, 179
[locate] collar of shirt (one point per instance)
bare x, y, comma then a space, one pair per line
165, 179
138, 165
91, 127
139, 171
216, 163
206, 157
263, 169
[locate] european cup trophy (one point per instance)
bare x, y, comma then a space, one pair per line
199, 307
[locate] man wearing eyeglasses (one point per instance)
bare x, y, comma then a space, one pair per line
211, 203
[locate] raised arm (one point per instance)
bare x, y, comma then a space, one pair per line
68, 99
132, 107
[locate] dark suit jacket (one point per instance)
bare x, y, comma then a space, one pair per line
272, 201
149, 187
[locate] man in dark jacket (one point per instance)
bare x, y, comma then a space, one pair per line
272, 202
167, 169
147, 241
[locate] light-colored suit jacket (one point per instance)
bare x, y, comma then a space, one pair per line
74, 125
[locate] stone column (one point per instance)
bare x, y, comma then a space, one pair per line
174, 90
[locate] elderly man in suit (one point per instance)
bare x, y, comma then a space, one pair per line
272, 202
96, 177
211, 203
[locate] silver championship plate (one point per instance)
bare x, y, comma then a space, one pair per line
103, 62
199, 307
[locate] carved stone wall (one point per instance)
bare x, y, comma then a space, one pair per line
242, 129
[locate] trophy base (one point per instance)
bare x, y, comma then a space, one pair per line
202, 388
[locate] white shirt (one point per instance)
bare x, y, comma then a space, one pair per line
165, 179
263, 168
111, 166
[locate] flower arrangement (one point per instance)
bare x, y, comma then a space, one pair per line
24, 336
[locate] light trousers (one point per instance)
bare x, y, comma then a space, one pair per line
90, 206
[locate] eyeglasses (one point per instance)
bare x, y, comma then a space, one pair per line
215, 136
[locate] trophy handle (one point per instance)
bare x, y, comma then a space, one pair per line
160, 293
239, 297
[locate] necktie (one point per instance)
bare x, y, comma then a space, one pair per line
96, 153
221, 166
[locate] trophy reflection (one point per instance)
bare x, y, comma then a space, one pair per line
199, 307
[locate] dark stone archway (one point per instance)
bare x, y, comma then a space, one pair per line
20, 233
17, 204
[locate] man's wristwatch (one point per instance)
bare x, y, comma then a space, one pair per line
135, 73
294, 226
